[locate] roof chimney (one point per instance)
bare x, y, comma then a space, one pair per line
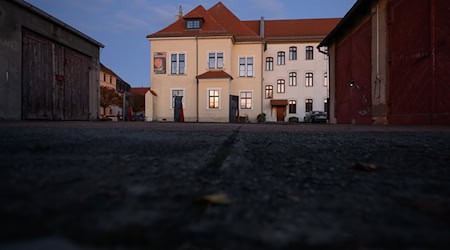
261, 27
180, 13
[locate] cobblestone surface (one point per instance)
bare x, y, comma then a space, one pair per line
106, 185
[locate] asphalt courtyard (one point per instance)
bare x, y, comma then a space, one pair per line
117, 185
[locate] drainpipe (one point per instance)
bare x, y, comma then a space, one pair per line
261, 34
196, 74
327, 67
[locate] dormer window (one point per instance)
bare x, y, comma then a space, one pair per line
193, 24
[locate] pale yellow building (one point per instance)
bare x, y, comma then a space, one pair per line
214, 61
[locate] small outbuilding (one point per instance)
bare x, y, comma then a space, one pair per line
48, 70
390, 63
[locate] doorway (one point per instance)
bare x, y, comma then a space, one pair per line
281, 113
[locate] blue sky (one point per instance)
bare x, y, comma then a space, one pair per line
122, 25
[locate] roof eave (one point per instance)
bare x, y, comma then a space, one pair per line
346, 21
50, 18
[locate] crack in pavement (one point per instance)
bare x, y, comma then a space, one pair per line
224, 151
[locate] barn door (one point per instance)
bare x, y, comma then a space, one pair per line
55, 81
410, 62
353, 77
76, 89
37, 78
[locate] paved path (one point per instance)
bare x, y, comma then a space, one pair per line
103, 185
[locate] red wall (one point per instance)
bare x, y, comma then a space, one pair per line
353, 64
419, 91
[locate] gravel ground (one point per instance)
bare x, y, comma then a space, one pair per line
107, 185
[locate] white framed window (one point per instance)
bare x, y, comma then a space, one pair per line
178, 63
292, 79
246, 66
215, 60
281, 58
293, 53
326, 106
246, 99
308, 105
269, 92
174, 93
325, 79
309, 79
193, 24
292, 106
213, 98
269, 63
309, 53
281, 88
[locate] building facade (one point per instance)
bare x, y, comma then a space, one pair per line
217, 63
295, 72
110, 79
389, 62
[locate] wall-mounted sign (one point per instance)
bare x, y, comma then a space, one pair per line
159, 62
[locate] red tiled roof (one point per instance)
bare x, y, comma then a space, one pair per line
218, 21
227, 19
295, 29
214, 74
178, 28
142, 91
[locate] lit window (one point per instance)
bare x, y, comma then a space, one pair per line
292, 107
245, 66
280, 86
326, 107
281, 59
309, 53
309, 80
325, 79
269, 91
269, 63
308, 105
292, 53
213, 96
246, 100
292, 79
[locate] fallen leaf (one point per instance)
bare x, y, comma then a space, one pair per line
365, 166
214, 199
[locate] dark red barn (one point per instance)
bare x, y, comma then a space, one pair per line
390, 63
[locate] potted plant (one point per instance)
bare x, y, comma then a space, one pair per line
261, 117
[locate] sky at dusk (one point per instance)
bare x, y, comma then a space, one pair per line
122, 25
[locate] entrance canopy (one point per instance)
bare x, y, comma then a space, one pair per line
279, 102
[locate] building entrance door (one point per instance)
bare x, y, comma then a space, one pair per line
281, 113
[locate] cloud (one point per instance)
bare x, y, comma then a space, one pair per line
125, 21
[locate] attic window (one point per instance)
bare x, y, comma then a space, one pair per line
193, 24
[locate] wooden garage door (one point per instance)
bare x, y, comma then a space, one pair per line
353, 77
442, 43
411, 79
37, 78
55, 80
